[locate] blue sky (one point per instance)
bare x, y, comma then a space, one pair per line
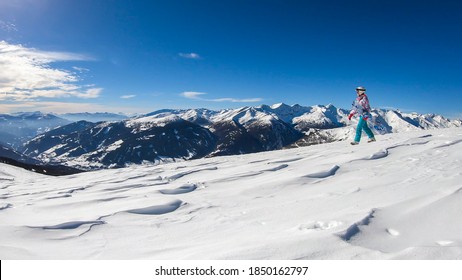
139, 56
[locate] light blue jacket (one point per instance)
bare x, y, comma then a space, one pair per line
362, 107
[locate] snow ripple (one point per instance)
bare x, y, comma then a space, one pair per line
6, 206
379, 155
324, 174
354, 229
71, 225
183, 189
277, 168
72, 190
287, 160
182, 174
384, 152
157, 209
452, 143
425, 136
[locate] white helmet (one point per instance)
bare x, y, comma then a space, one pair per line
361, 88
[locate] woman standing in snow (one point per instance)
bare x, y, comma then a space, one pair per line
361, 107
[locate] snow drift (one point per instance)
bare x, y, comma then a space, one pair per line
397, 198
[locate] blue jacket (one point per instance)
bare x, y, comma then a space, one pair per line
361, 107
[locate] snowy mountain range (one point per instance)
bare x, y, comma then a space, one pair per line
12, 157
93, 117
167, 135
116, 144
15, 129
18, 128
397, 198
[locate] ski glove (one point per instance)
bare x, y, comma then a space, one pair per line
350, 116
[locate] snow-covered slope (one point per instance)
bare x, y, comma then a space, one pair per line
10, 153
397, 198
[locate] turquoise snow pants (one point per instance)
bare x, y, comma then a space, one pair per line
362, 125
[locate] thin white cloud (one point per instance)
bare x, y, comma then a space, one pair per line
196, 96
27, 75
90, 93
192, 94
128, 96
7, 26
51, 107
65, 107
81, 69
250, 100
190, 55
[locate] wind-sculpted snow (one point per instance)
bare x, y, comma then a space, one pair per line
157, 209
124, 187
425, 136
59, 196
426, 222
183, 189
355, 228
5, 206
324, 174
450, 143
378, 155
287, 160
182, 174
397, 198
71, 191
277, 168
70, 225
385, 152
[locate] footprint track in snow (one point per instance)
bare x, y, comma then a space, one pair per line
318, 226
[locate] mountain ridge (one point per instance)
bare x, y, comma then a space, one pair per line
182, 134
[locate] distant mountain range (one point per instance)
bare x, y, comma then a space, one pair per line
16, 129
187, 134
93, 117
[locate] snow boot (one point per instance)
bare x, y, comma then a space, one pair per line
354, 143
371, 140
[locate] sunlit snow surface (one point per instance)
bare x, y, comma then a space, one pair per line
397, 198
